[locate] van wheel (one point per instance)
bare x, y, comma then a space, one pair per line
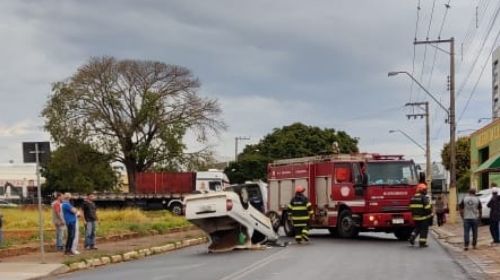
275, 220
288, 225
176, 208
346, 227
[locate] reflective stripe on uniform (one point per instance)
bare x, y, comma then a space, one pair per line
299, 225
301, 218
416, 206
298, 208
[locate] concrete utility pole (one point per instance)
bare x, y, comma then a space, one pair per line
452, 197
428, 167
236, 140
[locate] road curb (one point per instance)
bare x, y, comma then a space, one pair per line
462, 260
134, 255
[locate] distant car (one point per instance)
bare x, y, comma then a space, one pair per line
6, 204
484, 196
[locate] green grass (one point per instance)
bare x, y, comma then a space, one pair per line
111, 223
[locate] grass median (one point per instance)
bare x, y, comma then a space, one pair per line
21, 224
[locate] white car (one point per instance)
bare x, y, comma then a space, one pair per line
229, 218
484, 196
6, 204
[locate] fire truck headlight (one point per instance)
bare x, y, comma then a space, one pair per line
375, 223
371, 218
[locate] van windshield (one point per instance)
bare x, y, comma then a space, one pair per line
391, 173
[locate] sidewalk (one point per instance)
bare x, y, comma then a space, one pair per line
486, 257
28, 266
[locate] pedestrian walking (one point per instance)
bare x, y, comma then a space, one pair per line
470, 211
58, 221
90, 219
440, 209
301, 211
421, 210
494, 205
70, 214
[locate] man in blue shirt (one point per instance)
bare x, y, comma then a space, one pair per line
70, 214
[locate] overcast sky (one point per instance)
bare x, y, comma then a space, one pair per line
269, 63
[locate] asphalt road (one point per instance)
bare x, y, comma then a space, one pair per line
373, 256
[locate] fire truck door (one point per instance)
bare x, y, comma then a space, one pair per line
358, 180
343, 186
322, 192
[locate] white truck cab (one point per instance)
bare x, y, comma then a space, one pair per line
213, 180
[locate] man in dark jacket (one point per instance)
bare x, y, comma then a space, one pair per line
494, 205
421, 210
300, 210
90, 215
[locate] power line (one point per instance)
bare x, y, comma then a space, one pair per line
480, 76
492, 23
427, 38
414, 49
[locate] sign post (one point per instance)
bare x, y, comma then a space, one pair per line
37, 152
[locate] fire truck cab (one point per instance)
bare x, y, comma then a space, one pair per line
350, 193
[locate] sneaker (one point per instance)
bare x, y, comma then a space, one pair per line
466, 248
412, 241
92, 248
474, 247
76, 252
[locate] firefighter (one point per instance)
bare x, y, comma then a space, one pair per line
421, 210
300, 210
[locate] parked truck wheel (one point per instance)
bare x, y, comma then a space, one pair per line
346, 226
403, 234
275, 220
175, 208
288, 225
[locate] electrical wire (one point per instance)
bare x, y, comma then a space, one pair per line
414, 51
480, 76
427, 38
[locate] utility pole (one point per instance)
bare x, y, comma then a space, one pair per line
428, 167
452, 197
236, 140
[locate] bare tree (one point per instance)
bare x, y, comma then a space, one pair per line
137, 111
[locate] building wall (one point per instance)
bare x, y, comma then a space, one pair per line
486, 138
496, 83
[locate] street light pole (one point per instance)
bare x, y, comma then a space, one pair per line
236, 140
452, 198
428, 167
408, 136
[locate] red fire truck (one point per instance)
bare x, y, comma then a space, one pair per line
349, 193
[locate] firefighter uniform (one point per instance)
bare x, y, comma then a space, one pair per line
300, 210
421, 209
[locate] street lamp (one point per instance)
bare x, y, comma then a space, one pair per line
407, 136
236, 140
452, 201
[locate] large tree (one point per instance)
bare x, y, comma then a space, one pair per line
77, 167
136, 111
462, 161
295, 140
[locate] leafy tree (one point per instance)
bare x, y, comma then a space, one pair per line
462, 161
77, 167
136, 111
295, 140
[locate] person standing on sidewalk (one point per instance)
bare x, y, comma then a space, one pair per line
421, 210
494, 205
440, 210
90, 219
69, 213
470, 210
58, 221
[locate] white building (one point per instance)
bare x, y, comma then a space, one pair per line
18, 180
496, 83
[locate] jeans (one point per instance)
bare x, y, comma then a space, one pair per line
70, 237
60, 237
470, 224
90, 234
495, 232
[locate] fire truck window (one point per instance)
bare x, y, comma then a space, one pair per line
358, 179
343, 174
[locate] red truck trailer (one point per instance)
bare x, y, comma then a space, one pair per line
162, 190
349, 193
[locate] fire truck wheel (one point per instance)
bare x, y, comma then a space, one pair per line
175, 208
403, 234
275, 220
346, 227
288, 226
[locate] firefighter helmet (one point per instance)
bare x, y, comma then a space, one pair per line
421, 188
299, 189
